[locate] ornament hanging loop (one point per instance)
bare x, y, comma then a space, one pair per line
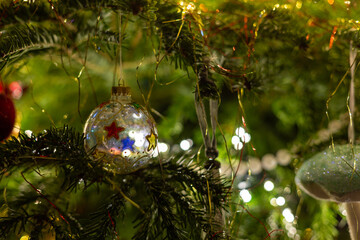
118, 71
120, 54
210, 87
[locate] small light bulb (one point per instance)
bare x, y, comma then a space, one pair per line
245, 195
163, 147
245, 138
190, 7
155, 153
269, 186
273, 202
185, 145
235, 140
238, 146
289, 217
242, 185
280, 201
240, 131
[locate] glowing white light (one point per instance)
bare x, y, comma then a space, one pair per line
132, 134
126, 153
163, 147
342, 209
269, 186
235, 140
344, 212
185, 144
245, 195
245, 138
139, 139
238, 146
137, 116
155, 153
280, 201
242, 185
292, 230
289, 217
240, 131
273, 202
190, 6
28, 133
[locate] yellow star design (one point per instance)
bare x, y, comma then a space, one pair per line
152, 140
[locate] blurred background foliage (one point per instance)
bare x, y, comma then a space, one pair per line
275, 64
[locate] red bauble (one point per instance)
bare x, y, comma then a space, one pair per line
7, 116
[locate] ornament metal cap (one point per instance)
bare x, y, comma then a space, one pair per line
124, 91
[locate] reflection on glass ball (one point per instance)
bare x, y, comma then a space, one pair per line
120, 134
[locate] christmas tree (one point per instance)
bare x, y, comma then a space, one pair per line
162, 119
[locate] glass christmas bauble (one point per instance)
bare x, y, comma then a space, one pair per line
120, 133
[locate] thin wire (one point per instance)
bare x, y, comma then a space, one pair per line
120, 53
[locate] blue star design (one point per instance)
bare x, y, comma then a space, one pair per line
127, 144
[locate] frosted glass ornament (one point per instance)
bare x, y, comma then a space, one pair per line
120, 134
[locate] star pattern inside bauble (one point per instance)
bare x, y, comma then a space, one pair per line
113, 130
152, 140
127, 144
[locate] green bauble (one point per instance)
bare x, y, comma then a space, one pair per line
332, 174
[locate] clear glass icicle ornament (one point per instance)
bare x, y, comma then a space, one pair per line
120, 133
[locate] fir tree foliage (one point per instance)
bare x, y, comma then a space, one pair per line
287, 56
172, 194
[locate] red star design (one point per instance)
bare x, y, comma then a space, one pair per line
113, 130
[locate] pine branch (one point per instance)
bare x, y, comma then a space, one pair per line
174, 195
102, 223
181, 37
18, 40
184, 46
